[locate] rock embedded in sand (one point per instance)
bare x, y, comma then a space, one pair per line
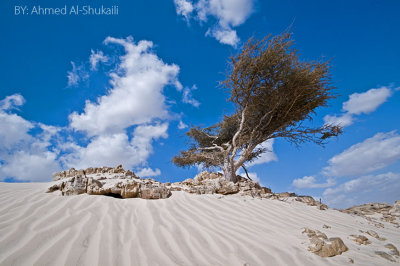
377, 211
361, 240
393, 250
125, 184
108, 181
369, 209
375, 235
323, 246
385, 256
215, 183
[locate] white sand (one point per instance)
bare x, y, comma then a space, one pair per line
37, 228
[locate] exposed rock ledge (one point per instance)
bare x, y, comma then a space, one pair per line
122, 183
376, 212
108, 181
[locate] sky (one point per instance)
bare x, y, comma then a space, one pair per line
102, 90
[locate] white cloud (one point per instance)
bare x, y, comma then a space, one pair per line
366, 102
359, 103
182, 125
115, 149
11, 102
267, 156
95, 58
76, 75
25, 156
187, 96
310, 182
227, 13
225, 36
120, 128
371, 188
372, 154
184, 8
146, 172
28, 165
13, 129
136, 94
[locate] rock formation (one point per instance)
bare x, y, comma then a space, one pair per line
118, 182
371, 211
210, 183
215, 183
108, 181
324, 246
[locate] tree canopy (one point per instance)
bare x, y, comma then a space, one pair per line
274, 93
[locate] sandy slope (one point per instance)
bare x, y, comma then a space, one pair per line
47, 229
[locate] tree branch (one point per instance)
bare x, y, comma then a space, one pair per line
245, 170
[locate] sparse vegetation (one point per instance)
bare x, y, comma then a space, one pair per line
273, 93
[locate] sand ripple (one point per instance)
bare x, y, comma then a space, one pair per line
47, 229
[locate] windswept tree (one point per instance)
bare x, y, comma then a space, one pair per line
274, 94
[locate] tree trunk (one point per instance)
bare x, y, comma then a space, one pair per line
230, 174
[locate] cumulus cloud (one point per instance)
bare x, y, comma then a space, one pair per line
382, 188
311, 182
76, 75
135, 100
187, 96
95, 58
25, 156
267, 156
25, 165
370, 155
227, 14
359, 103
115, 149
119, 128
146, 172
136, 94
13, 129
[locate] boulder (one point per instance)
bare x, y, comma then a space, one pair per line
322, 246
154, 192
336, 247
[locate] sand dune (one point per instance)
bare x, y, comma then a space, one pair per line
37, 228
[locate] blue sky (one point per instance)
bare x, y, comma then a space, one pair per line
79, 91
